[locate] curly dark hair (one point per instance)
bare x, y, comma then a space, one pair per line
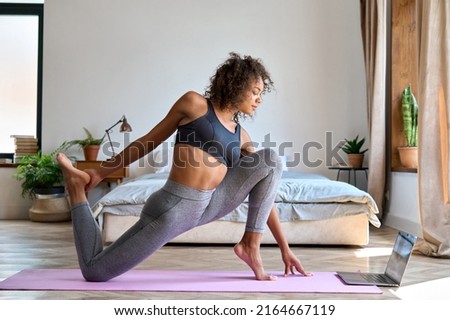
233, 78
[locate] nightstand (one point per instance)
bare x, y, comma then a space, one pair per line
115, 177
349, 170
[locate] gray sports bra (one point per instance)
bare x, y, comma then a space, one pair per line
209, 134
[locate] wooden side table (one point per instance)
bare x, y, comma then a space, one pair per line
115, 177
349, 170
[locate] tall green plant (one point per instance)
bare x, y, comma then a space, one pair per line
410, 113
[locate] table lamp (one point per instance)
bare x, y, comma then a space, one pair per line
124, 127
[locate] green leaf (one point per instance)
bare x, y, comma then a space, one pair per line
354, 146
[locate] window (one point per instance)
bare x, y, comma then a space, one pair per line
21, 33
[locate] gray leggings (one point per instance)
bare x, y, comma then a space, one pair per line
175, 209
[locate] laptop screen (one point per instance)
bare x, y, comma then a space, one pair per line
399, 258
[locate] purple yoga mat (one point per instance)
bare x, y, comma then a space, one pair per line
180, 280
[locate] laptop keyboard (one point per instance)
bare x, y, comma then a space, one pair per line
376, 277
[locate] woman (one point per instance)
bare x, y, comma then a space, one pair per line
214, 169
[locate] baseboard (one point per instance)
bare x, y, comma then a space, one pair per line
14, 212
403, 224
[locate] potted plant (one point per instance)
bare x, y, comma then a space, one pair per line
410, 112
43, 182
353, 149
90, 145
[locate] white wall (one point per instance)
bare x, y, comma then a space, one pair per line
12, 205
402, 210
106, 58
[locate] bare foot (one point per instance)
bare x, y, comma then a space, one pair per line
76, 180
252, 258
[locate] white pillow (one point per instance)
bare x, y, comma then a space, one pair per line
284, 161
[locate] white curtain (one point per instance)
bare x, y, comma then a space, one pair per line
434, 104
373, 29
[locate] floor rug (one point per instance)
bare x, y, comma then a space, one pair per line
180, 280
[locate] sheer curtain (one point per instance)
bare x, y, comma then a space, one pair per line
373, 29
434, 93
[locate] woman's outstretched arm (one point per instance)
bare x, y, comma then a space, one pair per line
184, 108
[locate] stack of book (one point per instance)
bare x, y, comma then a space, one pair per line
24, 145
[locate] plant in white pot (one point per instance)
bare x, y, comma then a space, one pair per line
354, 151
410, 114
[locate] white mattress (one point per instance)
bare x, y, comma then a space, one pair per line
300, 196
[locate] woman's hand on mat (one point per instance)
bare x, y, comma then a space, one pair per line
292, 264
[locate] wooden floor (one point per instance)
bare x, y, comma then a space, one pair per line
25, 244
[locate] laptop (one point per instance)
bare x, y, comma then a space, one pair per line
395, 268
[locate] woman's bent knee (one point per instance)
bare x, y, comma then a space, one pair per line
95, 277
268, 158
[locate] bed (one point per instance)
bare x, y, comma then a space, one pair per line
313, 210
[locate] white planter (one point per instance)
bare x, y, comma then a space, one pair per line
50, 208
